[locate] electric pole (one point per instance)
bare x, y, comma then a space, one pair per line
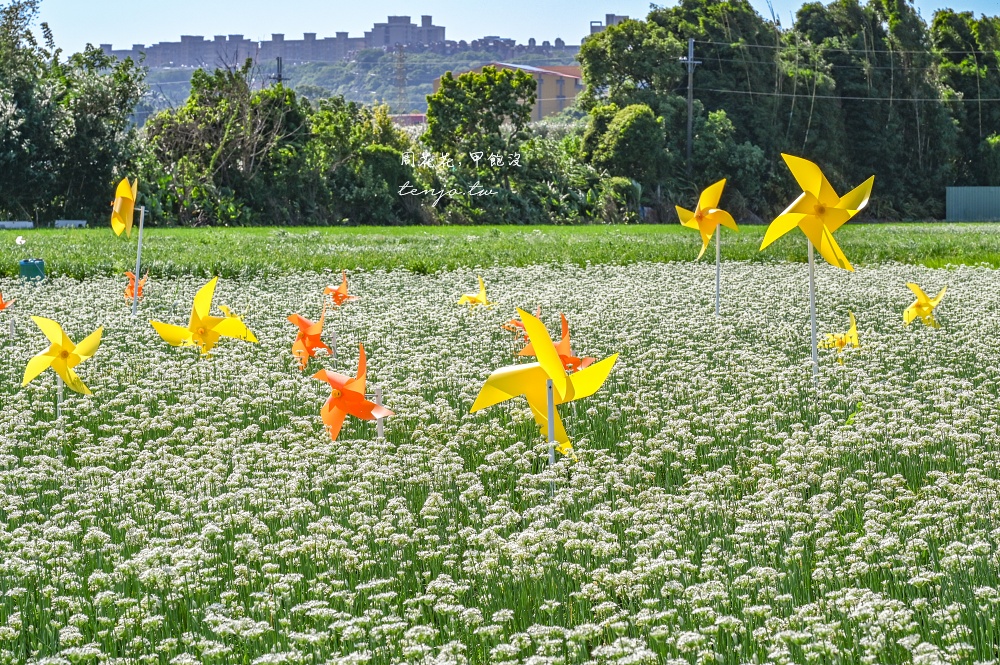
691, 62
279, 77
401, 106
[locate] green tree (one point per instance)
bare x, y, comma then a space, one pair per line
65, 129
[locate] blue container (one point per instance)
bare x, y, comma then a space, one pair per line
32, 268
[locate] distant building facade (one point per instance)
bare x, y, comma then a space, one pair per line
197, 51
609, 20
557, 85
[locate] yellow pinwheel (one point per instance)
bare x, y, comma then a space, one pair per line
204, 330
818, 211
124, 207
840, 341
476, 298
531, 380
707, 216
923, 307
62, 355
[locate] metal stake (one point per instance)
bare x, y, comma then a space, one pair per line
59, 396
138, 262
718, 268
379, 427
333, 347
12, 326
812, 310
550, 398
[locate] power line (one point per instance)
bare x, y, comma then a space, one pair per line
867, 99
845, 50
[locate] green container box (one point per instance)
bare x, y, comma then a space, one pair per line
32, 268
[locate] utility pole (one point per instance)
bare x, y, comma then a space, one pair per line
400, 79
279, 77
691, 62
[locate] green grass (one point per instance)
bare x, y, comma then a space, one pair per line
231, 252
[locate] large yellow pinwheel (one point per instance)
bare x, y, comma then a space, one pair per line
124, 207
204, 330
62, 355
531, 379
818, 211
707, 216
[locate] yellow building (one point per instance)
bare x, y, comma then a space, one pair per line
557, 85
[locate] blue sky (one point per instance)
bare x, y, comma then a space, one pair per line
76, 22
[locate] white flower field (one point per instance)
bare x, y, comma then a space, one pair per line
722, 509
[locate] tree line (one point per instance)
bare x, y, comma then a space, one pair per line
861, 87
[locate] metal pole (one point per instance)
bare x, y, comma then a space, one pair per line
59, 396
138, 263
718, 268
379, 427
550, 396
333, 347
812, 310
690, 64
12, 326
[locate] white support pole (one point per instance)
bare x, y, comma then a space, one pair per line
138, 262
718, 268
333, 347
12, 326
550, 398
812, 311
59, 396
379, 427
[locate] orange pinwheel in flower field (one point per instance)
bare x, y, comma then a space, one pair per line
309, 337
517, 327
4, 304
339, 294
570, 362
347, 398
130, 289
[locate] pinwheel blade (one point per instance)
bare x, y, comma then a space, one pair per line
588, 381
36, 366
171, 334
545, 351
507, 383
780, 226
919, 293
710, 196
88, 346
811, 179
686, 217
52, 331
203, 301
856, 199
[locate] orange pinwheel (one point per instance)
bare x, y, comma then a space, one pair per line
348, 398
309, 338
4, 304
570, 362
339, 294
517, 327
130, 289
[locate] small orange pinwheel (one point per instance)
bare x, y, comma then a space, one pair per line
339, 294
707, 216
130, 289
570, 362
123, 207
348, 398
62, 355
309, 337
4, 304
517, 327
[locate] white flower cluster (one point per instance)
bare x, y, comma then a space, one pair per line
722, 509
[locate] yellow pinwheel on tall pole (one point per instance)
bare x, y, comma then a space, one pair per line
706, 218
123, 210
818, 211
